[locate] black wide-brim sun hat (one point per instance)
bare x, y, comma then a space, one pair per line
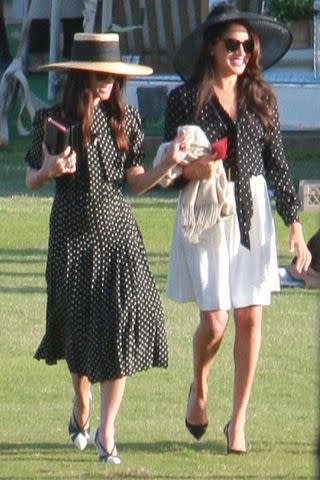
275, 38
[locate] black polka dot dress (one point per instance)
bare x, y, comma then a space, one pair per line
234, 264
104, 315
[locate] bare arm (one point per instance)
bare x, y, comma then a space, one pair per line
201, 168
52, 166
298, 245
139, 180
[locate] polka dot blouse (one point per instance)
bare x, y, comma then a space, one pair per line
104, 315
247, 153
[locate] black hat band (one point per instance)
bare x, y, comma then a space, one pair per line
93, 51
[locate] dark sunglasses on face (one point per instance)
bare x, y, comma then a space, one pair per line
232, 45
103, 76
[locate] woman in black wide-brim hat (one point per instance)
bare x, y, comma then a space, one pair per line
234, 263
104, 315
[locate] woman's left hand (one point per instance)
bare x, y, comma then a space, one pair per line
298, 245
200, 169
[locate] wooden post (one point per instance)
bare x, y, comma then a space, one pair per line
89, 14
54, 45
316, 41
106, 20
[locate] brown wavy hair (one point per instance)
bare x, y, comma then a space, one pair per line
77, 103
253, 92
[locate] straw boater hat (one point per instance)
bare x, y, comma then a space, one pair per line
275, 38
98, 52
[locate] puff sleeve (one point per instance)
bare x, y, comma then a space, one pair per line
34, 154
135, 155
175, 114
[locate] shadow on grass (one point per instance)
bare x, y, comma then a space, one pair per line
7, 191
214, 447
28, 252
14, 260
296, 291
21, 274
10, 256
17, 450
18, 257
22, 291
7, 448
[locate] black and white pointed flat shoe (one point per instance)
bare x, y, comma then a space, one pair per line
79, 435
111, 458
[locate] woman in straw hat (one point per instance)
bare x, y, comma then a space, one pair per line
104, 315
234, 263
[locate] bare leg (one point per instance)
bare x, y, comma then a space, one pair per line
81, 386
111, 393
206, 342
246, 353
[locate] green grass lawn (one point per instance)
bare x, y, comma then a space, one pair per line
36, 400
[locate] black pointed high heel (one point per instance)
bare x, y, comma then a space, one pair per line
196, 430
231, 450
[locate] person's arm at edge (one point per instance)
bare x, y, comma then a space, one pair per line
298, 246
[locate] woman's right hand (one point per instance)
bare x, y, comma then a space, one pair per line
57, 165
52, 166
176, 150
201, 168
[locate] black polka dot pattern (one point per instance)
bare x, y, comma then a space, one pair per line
247, 153
104, 314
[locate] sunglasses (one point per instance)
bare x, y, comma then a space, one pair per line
232, 45
103, 76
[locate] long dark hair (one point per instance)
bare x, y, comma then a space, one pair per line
253, 91
77, 103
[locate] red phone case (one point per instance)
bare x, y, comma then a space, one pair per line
220, 147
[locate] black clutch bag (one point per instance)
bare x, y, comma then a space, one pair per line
60, 133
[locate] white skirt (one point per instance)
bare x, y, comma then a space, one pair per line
219, 273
